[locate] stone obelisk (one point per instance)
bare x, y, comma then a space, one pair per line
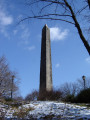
46, 65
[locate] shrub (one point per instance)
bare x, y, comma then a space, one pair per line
32, 96
13, 103
8, 99
83, 96
69, 98
16, 104
49, 95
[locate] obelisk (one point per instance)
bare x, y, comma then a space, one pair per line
46, 65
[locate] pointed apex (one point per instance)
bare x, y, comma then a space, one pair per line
46, 25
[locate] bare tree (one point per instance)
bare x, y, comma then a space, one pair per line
6, 86
69, 89
74, 88
32, 96
70, 11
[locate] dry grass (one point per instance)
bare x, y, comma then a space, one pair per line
22, 112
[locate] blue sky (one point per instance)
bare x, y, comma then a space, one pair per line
21, 44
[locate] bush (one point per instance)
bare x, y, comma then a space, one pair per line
32, 96
83, 96
69, 98
8, 99
49, 95
16, 104
13, 102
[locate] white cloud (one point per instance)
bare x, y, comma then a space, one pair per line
30, 48
88, 60
5, 19
25, 33
57, 34
57, 65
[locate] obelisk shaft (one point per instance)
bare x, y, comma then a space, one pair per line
46, 65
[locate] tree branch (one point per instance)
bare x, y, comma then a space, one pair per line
86, 44
49, 18
31, 3
79, 11
57, 2
50, 1
45, 7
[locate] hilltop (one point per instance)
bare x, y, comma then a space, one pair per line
45, 110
